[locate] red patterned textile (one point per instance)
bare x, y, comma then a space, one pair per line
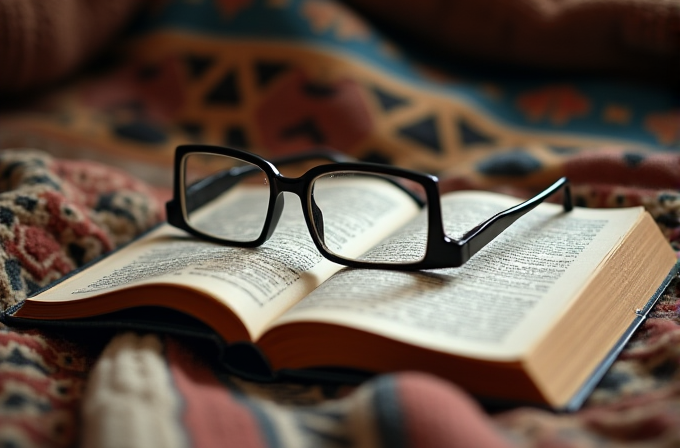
84, 168
55, 216
56, 389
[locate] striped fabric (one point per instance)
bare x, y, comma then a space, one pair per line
150, 391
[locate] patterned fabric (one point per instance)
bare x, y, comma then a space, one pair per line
57, 389
55, 216
282, 76
41, 382
278, 77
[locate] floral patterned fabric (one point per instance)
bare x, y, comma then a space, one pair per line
85, 167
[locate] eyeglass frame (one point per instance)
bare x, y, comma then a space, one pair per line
441, 251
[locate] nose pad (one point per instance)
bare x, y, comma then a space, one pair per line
317, 220
276, 215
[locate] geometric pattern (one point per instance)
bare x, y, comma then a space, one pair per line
278, 77
197, 65
470, 136
226, 92
387, 100
424, 132
274, 99
280, 98
266, 72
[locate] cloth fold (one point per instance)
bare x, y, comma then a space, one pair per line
637, 37
188, 400
42, 42
279, 77
150, 391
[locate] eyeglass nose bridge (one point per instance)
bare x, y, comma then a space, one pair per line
282, 184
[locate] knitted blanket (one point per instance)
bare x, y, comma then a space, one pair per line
85, 168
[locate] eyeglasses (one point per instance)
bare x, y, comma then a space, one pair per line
235, 198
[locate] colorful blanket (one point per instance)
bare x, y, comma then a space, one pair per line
85, 168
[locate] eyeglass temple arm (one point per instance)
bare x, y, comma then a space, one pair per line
209, 188
484, 233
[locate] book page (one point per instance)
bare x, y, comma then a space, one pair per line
258, 284
498, 303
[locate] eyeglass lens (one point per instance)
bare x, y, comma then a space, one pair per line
348, 204
225, 197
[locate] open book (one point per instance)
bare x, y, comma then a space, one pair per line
533, 317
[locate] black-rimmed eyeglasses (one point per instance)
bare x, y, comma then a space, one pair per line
235, 198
